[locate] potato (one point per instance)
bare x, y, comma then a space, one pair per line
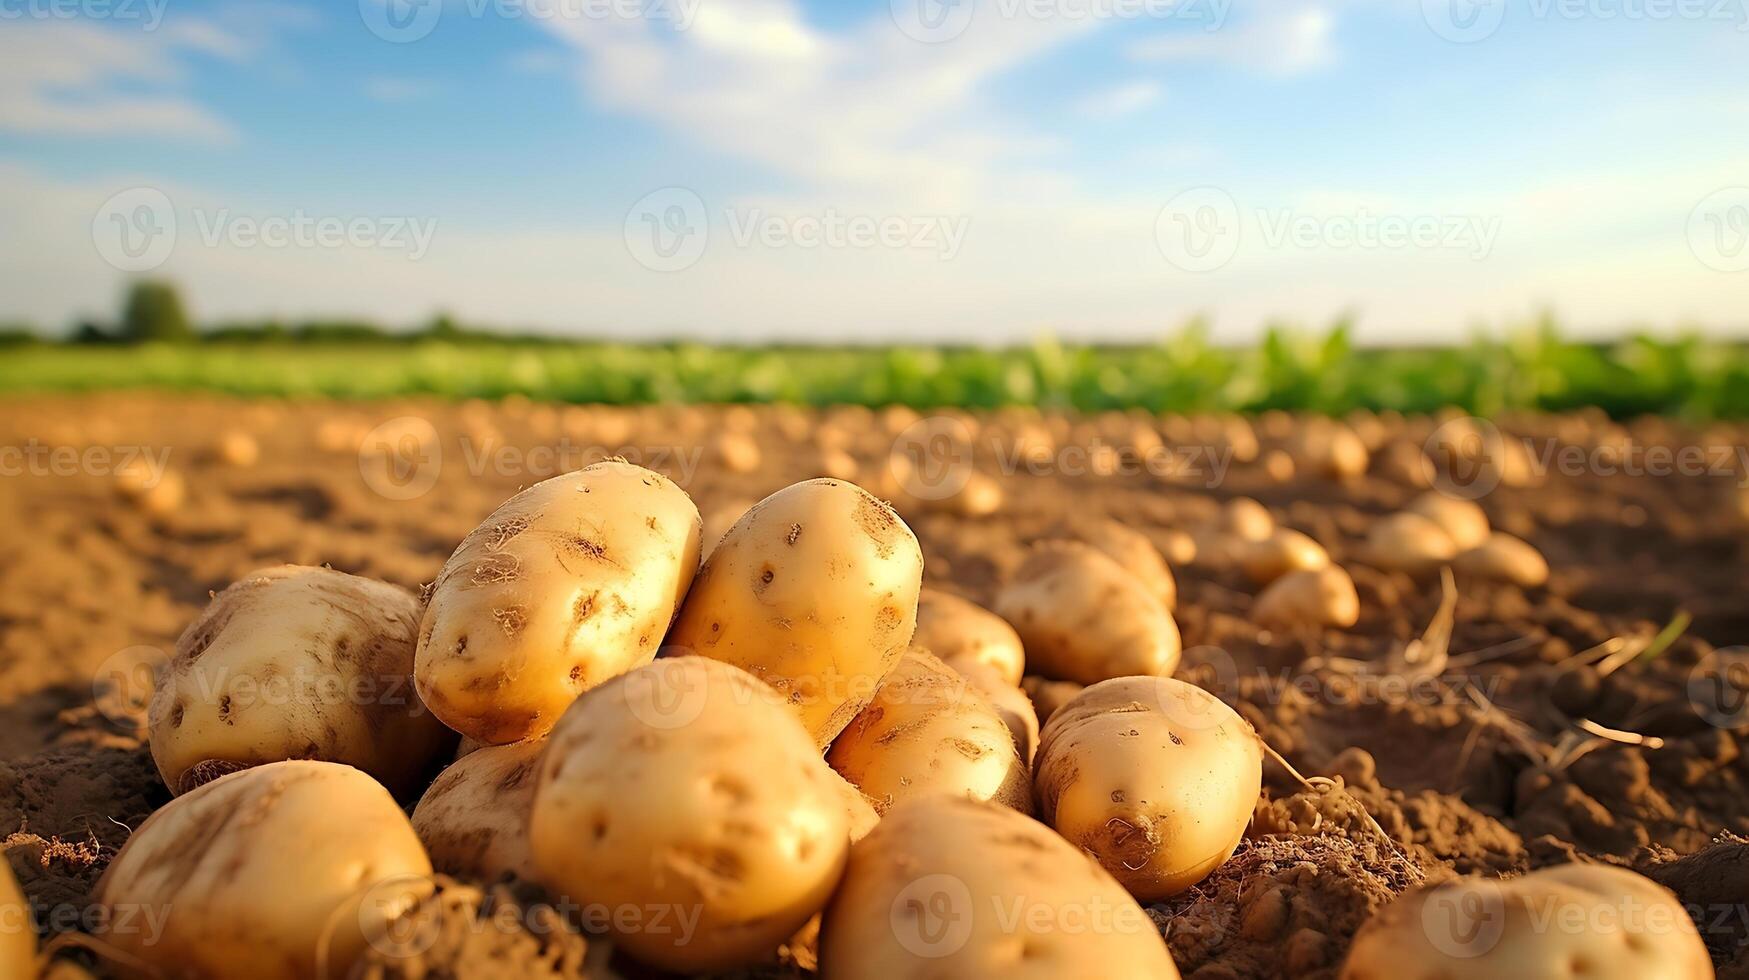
981, 496
295, 662
959, 631
1464, 521
1083, 618
1154, 777
1592, 921
1284, 551
1506, 558
253, 873
473, 820
736, 452
1410, 543
814, 591
1320, 597
688, 790
804, 947
154, 488
568, 583
1329, 447
1130, 549
949, 887
1047, 695
1012, 704
237, 448
17, 934
1245, 519
929, 731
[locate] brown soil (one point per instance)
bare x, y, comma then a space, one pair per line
1480, 768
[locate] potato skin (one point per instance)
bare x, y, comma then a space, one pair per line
1131, 549
473, 820
928, 730
1013, 705
1315, 598
247, 872
957, 629
1154, 777
17, 936
1506, 558
688, 786
949, 887
814, 592
567, 584
296, 662
1084, 619
1628, 927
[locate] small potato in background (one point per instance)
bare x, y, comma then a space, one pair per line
959, 631
1048, 695
256, 873
1155, 778
814, 591
1463, 521
687, 785
1282, 552
928, 730
473, 820
1308, 599
1406, 542
1577, 920
1084, 618
1505, 558
296, 662
567, 584
949, 887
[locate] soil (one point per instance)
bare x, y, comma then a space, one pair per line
1480, 765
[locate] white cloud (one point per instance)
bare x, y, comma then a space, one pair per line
77, 79
1121, 100
390, 89
1280, 42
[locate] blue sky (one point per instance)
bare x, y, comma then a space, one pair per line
760, 169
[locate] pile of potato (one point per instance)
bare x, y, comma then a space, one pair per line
792, 750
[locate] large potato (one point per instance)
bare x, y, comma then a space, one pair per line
17, 934
928, 730
297, 663
813, 591
947, 888
1084, 619
255, 872
474, 818
1592, 921
959, 631
686, 800
1154, 777
567, 584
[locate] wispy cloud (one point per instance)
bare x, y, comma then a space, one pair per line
1121, 100
1287, 42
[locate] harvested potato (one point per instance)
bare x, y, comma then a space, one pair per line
1154, 777
688, 786
474, 818
1245, 519
1329, 447
1083, 618
297, 663
814, 591
153, 487
1178, 548
1048, 695
803, 948
737, 452
1284, 551
1464, 521
981, 496
238, 448
1506, 558
1593, 921
257, 873
1410, 543
1319, 597
1011, 704
929, 731
959, 631
567, 584
1130, 549
17, 935
949, 887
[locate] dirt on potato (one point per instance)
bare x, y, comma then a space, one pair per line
1565, 722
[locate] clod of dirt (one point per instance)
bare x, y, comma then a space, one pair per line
1713, 884
501, 932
